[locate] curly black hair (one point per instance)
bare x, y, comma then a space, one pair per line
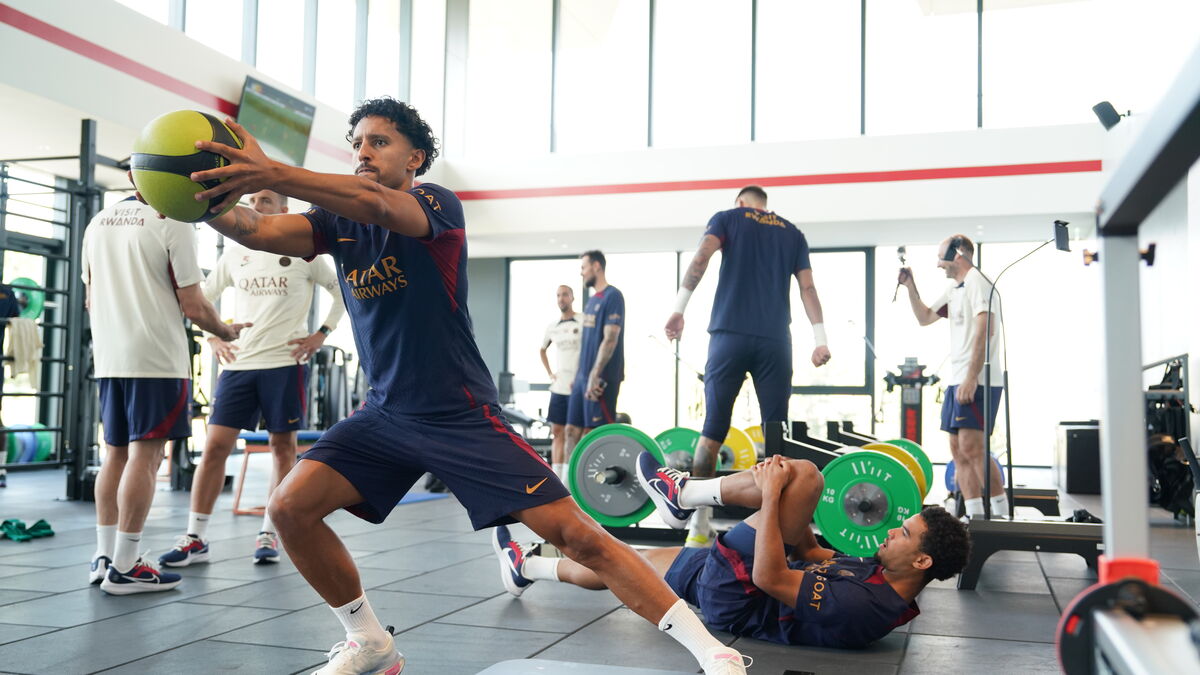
946, 541
408, 122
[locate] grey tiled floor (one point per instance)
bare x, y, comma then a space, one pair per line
436, 582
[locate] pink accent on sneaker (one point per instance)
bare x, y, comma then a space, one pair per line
394, 670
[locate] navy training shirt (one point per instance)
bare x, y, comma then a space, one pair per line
606, 308
407, 300
760, 253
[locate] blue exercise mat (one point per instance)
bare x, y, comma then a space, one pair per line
303, 437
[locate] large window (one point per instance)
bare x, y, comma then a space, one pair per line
335, 52
384, 49
508, 77
601, 78
159, 10
281, 41
701, 73
216, 24
429, 62
921, 73
1051, 62
809, 70
532, 306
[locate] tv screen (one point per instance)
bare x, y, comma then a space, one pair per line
281, 122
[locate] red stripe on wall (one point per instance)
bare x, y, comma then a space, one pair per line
105, 56
782, 181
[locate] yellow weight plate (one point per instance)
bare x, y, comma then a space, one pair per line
756, 436
742, 447
906, 459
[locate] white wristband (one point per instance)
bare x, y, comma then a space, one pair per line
681, 300
819, 339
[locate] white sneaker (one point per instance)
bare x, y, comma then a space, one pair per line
725, 661
700, 539
99, 569
350, 658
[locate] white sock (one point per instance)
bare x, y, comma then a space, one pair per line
198, 523
537, 568
106, 541
360, 623
1000, 505
126, 553
699, 522
267, 525
701, 492
974, 507
681, 623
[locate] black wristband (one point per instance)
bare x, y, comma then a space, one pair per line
324, 330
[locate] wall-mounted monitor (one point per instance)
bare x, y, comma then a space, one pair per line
281, 122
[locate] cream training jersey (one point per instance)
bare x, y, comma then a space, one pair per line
564, 335
132, 263
274, 293
961, 303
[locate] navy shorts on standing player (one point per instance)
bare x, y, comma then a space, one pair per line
145, 408
957, 415
730, 357
557, 413
279, 396
489, 467
586, 413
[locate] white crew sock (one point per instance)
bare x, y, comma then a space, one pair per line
1000, 505
126, 553
360, 623
974, 507
106, 541
701, 492
198, 523
681, 623
537, 568
267, 525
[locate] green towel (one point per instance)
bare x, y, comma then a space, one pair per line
15, 529
40, 529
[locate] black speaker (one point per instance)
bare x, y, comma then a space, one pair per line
1107, 114
1077, 457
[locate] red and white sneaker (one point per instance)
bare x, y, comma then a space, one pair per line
188, 549
141, 578
350, 658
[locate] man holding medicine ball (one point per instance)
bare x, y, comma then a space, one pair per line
400, 251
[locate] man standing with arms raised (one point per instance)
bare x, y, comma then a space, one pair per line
965, 304
750, 324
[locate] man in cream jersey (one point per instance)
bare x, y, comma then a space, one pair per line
564, 335
265, 373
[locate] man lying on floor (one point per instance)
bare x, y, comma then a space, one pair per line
745, 583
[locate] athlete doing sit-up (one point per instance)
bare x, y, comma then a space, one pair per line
746, 585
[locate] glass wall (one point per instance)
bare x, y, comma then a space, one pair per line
532, 307
216, 24
335, 52
281, 41
508, 77
701, 75
429, 70
793, 99
601, 88
159, 10
383, 49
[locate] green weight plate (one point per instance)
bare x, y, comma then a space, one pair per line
36, 299
917, 451
678, 447
866, 494
603, 474
902, 456
45, 443
13, 442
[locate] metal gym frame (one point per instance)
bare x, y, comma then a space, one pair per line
1158, 161
68, 389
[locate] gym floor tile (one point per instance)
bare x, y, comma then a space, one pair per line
241, 568
549, 607
1003, 575
1065, 590
1065, 565
112, 642
940, 654
317, 628
425, 557
987, 614
53, 580
44, 556
465, 650
478, 578
1187, 581
526, 666
12, 632
8, 597
622, 638
92, 604
775, 658
288, 592
211, 656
